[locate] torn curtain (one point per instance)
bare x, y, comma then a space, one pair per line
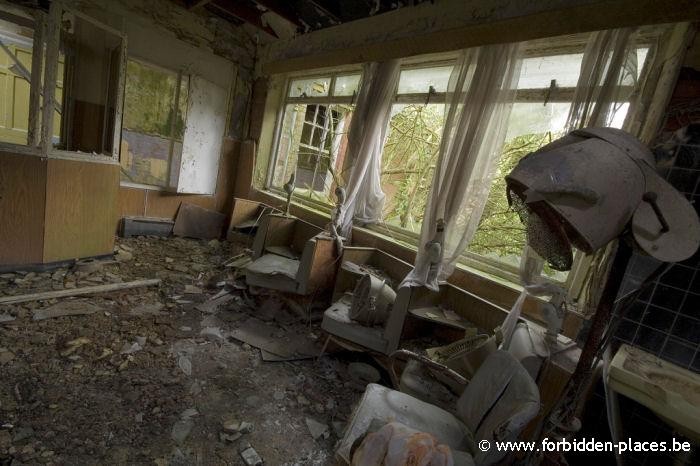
480, 94
368, 131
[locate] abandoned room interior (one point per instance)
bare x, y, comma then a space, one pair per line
349, 232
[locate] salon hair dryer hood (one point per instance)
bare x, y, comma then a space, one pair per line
586, 187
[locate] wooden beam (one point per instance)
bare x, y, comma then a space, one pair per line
244, 12
192, 4
455, 24
23, 298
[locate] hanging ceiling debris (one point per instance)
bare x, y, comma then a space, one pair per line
287, 18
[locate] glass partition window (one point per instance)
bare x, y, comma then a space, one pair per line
155, 107
90, 86
312, 140
16, 43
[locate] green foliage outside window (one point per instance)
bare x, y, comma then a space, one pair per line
409, 159
500, 231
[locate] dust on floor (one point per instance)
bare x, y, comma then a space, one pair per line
142, 376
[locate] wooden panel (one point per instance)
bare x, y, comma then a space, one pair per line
324, 266
81, 206
480, 312
279, 232
245, 166
87, 127
22, 203
131, 202
303, 231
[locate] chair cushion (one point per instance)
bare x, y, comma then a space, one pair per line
273, 271
336, 321
388, 405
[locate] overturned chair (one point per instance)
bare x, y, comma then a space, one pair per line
292, 256
497, 404
367, 313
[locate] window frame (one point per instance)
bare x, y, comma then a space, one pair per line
552, 46
327, 100
58, 7
179, 74
39, 19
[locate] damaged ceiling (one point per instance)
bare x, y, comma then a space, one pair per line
287, 18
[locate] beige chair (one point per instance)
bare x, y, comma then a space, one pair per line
497, 404
246, 217
336, 319
291, 255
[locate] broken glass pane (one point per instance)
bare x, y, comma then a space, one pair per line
314, 87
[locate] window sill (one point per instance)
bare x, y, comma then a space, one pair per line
147, 187
82, 157
19, 149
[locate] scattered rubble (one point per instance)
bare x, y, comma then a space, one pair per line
249, 455
142, 375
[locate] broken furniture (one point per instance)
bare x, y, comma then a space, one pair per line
291, 255
246, 216
193, 221
468, 315
673, 393
145, 226
372, 270
500, 400
461, 316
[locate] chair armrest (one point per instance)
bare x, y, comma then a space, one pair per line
318, 264
405, 354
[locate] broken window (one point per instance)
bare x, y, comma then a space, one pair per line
155, 109
313, 136
90, 81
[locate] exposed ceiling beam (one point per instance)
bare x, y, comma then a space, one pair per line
191, 4
325, 11
244, 12
282, 8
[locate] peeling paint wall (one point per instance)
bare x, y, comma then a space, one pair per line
195, 28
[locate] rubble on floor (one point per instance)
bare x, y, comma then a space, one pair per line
197, 370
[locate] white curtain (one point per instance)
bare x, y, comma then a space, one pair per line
607, 78
608, 68
368, 131
481, 91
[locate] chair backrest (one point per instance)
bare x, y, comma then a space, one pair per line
498, 402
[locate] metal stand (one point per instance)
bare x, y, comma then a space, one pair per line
562, 420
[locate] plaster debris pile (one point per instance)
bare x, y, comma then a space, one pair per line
194, 366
